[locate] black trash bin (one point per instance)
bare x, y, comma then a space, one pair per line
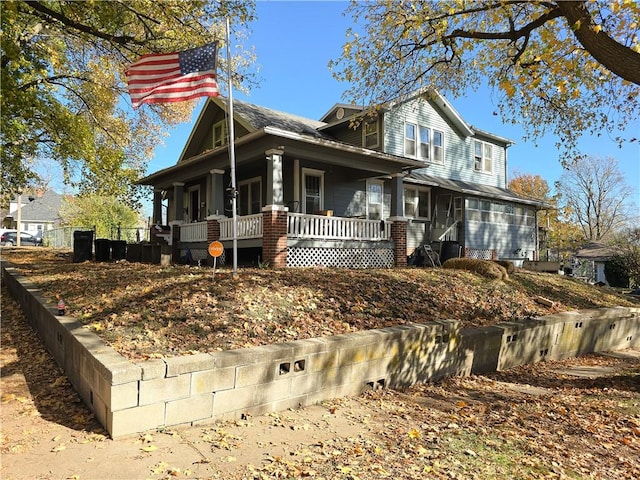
450, 249
118, 249
82, 243
103, 249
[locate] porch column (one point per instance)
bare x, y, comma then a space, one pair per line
275, 187
215, 193
399, 238
397, 195
274, 235
157, 207
178, 202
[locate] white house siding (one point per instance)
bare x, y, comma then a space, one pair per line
505, 239
458, 155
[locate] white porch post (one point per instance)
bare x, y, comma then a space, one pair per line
275, 186
215, 193
178, 202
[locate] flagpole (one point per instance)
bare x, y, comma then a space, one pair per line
232, 158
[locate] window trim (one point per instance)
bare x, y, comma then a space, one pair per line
482, 168
248, 182
366, 135
216, 141
381, 184
314, 173
418, 143
416, 202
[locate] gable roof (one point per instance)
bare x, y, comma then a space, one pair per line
43, 208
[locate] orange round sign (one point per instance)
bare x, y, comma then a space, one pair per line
215, 249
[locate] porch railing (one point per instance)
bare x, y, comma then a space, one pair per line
249, 226
193, 232
301, 225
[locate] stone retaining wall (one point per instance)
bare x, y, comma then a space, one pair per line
129, 397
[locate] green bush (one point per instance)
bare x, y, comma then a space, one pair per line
486, 268
617, 272
508, 266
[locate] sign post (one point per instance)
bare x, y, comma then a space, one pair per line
215, 250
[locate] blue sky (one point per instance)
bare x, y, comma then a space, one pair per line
295, 40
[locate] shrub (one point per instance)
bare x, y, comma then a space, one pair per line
508, 266
486, 268
617, 272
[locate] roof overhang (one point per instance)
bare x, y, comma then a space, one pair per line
294, 144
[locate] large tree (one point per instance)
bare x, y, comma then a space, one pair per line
561, 234
563, 67
63, 94
596, 195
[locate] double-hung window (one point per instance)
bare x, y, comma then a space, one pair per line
423, 143
375, 190
417, 202
250, 196
410, 132
482, 157
313, 194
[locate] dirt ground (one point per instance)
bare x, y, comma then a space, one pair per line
577, 418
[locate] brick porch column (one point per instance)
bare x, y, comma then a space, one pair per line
399, 237
213, 228
274, 235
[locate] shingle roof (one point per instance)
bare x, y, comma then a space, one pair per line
260, 117
42, 209
473, 188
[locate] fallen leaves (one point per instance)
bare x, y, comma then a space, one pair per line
146, 311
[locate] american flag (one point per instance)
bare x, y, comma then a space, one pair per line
174, 77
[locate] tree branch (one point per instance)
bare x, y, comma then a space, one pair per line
614, 56
48, 14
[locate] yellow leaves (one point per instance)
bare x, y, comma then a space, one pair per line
414, 433
597, 28
508, 87
149, 448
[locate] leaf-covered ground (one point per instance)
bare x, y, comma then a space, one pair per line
146, 311
571, 419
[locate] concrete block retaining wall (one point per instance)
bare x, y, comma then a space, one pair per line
129, 397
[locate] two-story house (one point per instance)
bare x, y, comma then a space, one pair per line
354, 189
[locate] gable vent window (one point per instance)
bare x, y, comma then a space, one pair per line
482, 157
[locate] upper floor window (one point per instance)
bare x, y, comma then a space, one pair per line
482, 157
438, 146
410, 140
220, 134
371, 135
423, 143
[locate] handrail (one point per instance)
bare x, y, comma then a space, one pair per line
450, 230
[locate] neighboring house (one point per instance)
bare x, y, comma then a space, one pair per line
589, 262
38, 212
347, 190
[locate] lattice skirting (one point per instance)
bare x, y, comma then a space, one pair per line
201, 255
481, 253
340, 257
